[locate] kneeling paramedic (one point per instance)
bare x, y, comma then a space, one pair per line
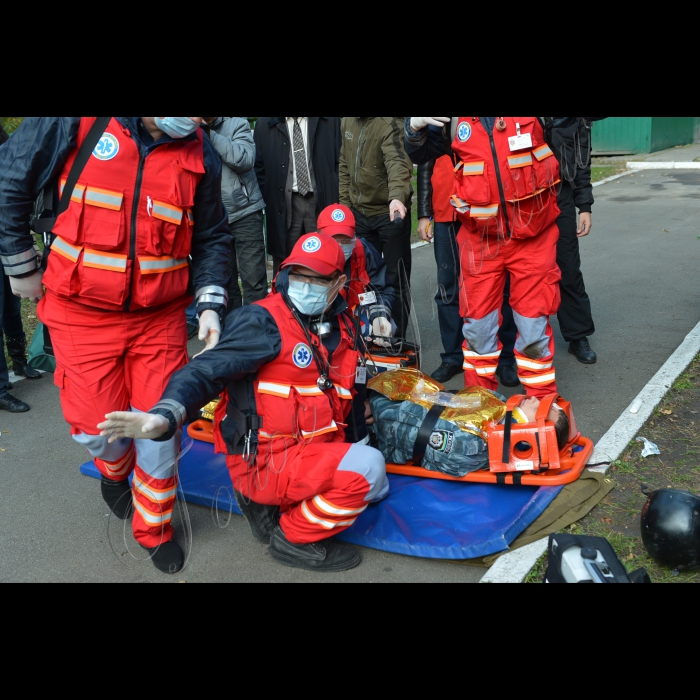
369, 295
118, 279
287, 394
506, 200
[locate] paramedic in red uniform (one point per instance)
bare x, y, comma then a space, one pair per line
117, 282
282, 420
369, 294
506, 200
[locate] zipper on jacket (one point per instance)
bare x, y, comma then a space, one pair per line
132, 232
357, 164
498, 178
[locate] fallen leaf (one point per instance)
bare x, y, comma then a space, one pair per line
666, 230
667, 411
630, 557
4, 450
607, 521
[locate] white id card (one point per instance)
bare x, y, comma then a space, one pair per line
361, 375
367, 298
519, 142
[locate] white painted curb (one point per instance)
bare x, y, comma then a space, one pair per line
515, 566
662, 165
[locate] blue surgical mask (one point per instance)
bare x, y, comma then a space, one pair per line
348, 249
309, 299
176, 127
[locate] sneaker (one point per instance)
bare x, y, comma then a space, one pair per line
446, 371
326, 556
12, 404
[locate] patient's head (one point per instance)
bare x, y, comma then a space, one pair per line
557, 415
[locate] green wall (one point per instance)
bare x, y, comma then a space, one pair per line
623, 135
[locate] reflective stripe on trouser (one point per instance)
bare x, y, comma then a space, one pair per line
321, 486
481, 350
534, 355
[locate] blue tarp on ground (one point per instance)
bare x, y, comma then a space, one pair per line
420, 518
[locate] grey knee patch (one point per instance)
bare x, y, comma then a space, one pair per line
158, 459
482, 334
370, 464
100, 448
533, 341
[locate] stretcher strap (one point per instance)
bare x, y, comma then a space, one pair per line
424, 433
506, 437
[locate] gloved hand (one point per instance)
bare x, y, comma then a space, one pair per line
121, 424
418, 123
28, 287
209, 329
381, 328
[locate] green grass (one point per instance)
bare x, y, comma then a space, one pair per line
600, 172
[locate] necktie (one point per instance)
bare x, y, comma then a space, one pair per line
300, 165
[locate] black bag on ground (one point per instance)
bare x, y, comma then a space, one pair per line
581, 559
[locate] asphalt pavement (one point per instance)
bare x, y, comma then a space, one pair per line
640, 266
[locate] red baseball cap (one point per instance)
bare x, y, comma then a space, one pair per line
319, 252
337, 220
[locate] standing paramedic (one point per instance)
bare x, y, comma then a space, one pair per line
506, 200
118, 281
286, 366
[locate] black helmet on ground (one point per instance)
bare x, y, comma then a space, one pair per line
671, 528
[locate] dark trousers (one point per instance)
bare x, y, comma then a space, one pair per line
575, 317
303, 221
394, 243
447, 300
248, 260
10, 325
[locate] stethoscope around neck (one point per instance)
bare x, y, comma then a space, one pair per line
322, 329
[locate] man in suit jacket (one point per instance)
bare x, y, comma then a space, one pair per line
296, 162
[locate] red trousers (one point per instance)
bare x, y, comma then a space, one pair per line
534, 297
321, 487
119, 361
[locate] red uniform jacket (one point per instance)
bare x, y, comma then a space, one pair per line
507, 192
124, 240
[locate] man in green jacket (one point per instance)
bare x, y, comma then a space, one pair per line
375, 182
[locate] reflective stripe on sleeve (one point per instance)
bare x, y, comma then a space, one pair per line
484, 212
66, 249
212, 295
343, 392
473, 168
154, 266
167, 212
104, 261
542, 152
520, 161
107, 199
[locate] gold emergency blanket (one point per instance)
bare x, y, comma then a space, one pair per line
208, 411
472, 409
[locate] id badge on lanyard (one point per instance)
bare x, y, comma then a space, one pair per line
520, 141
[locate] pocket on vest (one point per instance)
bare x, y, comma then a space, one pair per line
103, 224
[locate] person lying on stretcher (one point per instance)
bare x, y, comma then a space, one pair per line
457, 444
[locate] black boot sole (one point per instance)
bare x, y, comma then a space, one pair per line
296, 564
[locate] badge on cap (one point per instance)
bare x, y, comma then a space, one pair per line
464, 133
302, 356
312, 245
338, 216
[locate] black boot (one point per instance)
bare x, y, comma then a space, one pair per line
583, 352
319, 556
446, 371
262, 519
13, 405
508, 374
17, 350
167, 557
117, 495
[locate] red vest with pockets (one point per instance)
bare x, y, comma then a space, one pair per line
292, 407
521, 181
127, 232
359, 279
443, 182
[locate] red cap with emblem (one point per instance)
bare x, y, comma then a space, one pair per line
319, 253
337, 220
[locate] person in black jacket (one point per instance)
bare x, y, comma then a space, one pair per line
296, 185
570, 138
3, 135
